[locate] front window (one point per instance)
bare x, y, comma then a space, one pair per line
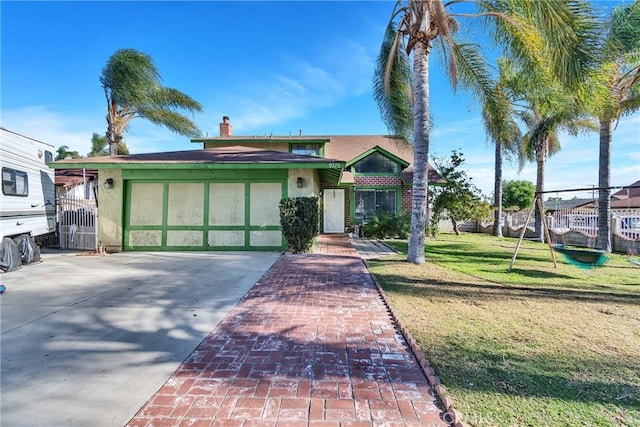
306, 149
373, 201
14, 183
376, 163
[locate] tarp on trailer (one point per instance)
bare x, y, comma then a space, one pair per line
10, 259
29, 251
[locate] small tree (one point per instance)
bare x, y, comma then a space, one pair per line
458, 199
518, 195
99, 146
64, 152
299, 218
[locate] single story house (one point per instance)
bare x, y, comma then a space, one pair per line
626, 198
225, 196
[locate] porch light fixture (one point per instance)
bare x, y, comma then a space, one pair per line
300, 182
108, 183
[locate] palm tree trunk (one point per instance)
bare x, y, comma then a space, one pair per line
419, 218
604, 182
497, 191
539, 189
113, 137
113, 145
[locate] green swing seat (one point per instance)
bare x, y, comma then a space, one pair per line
582, 258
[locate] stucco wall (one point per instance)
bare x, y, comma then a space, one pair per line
275, 146
110, 210
310, 183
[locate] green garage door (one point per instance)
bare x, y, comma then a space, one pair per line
203, 215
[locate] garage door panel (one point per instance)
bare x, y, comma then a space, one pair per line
226, 204
145, 238
184, 238
226, 238
265, 199
186, 204
266, 238
146, 204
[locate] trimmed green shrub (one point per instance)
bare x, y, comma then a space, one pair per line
385, 226
299, 218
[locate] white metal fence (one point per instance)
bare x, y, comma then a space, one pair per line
77, 223
625, 223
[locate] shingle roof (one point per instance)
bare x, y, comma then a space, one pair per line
628, 192
341, 147
69, 177
630, 203
348, 147
235, 154
567, 204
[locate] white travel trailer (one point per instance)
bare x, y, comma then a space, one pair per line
27, 203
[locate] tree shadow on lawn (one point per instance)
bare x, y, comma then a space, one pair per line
469, 254
478, 288
568, 377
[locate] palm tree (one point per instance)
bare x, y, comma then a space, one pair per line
613, 91
545, 107
402, 91
64, 153
542, 140
132, 89
531, 29
502, 129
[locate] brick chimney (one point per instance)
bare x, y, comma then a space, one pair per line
225, 127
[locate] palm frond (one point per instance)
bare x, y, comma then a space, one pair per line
553, 145
392, 82
498, 120
472, 69
555, 36
578, 126
129, 77
624, 29
173, 121
527, 151
630, 105
174, 99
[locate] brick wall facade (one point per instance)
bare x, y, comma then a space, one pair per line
377, 181
406, 199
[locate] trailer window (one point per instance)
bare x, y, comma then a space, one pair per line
14, 183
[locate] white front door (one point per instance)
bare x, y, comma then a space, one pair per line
333, 210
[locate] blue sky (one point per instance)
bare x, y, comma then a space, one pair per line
273, 67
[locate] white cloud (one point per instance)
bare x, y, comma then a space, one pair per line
575, 166
42, 123
74, 131
318, 80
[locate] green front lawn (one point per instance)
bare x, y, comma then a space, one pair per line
539, 346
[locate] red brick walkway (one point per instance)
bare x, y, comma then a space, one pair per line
311, 344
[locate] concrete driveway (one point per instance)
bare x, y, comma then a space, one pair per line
86, 340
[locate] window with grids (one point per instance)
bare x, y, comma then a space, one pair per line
14, 183
374, 201
306, 149
376, 163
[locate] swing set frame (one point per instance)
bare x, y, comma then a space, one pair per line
537, 202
